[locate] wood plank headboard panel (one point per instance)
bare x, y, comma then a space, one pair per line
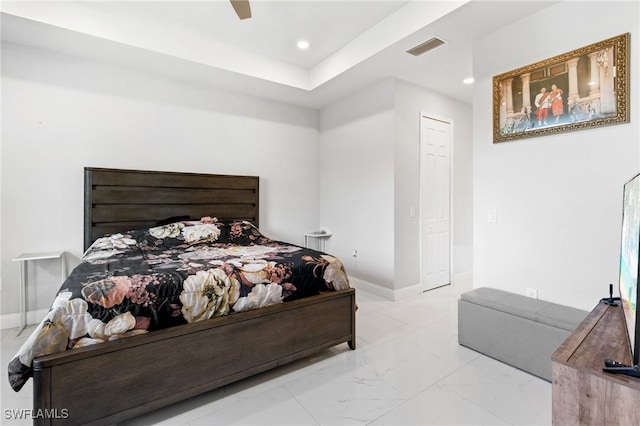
120, 200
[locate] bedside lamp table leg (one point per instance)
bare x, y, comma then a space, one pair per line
23, 297
63, 267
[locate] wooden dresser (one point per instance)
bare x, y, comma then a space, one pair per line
582, 393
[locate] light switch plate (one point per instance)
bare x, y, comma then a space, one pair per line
492, 216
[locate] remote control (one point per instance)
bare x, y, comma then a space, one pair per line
611, 363
622, 369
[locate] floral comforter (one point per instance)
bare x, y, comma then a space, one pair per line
138, 281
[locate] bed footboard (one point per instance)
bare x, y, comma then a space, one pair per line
119, 380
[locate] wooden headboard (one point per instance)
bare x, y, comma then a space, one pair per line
121, 200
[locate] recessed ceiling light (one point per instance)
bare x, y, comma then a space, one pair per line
468, 80
303, 44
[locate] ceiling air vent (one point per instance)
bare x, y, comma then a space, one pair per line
426, 46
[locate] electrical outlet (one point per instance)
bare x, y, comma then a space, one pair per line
531, 292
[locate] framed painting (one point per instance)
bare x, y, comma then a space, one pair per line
582, 89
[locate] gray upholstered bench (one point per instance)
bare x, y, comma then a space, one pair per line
517, 330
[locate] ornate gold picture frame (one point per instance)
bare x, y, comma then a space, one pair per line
581, 89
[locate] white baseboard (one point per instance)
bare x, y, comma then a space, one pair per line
378, 290
408, 292
34, 317
461, 278
13, 320
387, 293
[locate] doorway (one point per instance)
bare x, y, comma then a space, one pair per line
435, 201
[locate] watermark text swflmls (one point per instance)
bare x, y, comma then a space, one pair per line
41, 413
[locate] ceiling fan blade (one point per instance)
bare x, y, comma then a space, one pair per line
242, 8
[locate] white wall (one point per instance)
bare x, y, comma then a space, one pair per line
370, 179
356, 188
60, 114
410, 101
558, 198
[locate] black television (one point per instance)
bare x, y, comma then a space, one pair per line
629, 264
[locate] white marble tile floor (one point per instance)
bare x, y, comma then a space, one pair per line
408, 369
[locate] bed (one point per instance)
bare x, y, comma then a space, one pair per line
120, 379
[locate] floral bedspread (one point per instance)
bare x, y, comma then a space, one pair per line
138, 281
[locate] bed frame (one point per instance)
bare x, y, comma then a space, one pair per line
119, 380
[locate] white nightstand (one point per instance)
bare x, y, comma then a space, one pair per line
321, 236
24, 260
